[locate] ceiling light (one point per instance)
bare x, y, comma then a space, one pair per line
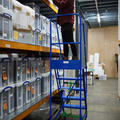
98, 16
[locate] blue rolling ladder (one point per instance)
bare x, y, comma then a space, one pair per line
63, 65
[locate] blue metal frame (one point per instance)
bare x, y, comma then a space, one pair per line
73, 65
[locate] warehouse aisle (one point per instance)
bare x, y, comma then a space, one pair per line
103, 103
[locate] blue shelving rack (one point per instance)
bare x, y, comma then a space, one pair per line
63, 65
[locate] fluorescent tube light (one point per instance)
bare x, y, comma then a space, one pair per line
98, 16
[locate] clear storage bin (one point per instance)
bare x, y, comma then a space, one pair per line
6, 4
40, 66
37, 37
19, 96
43, 38
1, 110
37, 20
6, 72
7, 101
24, 69
32, 90
26, 37
33, 69
37, 87
26, 92
44, 83
18, 70
48, 40
28, 69
1, 26
37, 70
6, 28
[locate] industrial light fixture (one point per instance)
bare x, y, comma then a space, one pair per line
98, 16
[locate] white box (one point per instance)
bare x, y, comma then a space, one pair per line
103, 77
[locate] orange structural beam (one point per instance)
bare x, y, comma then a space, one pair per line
50, 5
31, 109
26, 47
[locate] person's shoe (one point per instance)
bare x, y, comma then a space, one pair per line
65, 58
74, 58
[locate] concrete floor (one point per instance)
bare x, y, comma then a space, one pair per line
103, 103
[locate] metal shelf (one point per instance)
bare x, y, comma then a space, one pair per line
29, 108
50, 5
26, 47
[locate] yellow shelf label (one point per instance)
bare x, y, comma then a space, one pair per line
15, 35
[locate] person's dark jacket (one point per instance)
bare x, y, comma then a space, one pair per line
65, 7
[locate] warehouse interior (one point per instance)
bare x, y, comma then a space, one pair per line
37, 81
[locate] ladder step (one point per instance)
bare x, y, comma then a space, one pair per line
73, 106
68, 78
66, 64
75, 89
72, 98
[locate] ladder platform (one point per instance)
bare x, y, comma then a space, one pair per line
75, 89
72, 98
73, 106
66, 64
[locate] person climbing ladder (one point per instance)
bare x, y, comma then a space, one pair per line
66, 23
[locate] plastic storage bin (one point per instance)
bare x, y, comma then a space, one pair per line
25, 37
37, 20
37, 87
24, 69
6, 72
7, 4
32, 90
43, 38
37, 37
28, 69
7, 101
44, 83
18, 70
26, 92
6, 28
19, 96
47, 40
33, 62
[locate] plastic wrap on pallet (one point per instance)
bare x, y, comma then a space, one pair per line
23, 12
34, 6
